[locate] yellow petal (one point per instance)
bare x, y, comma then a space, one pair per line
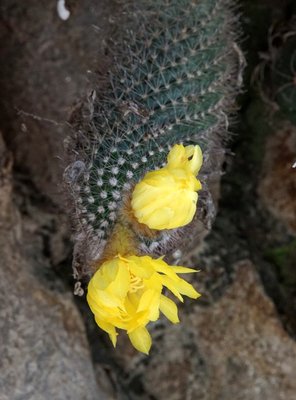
141, 339
186, 288
154, 313
183, 270
176, 156
150, 302
189, 157
140, 319
164, 268
105, 274
154, 282
196, 160
121, 283
197, 185
141, 266
132, 302
111, 268
108, 299
146, 299
152, 178
159, 219
107, 327
171, 270
170, 284
101, 310
92, 301
169, 309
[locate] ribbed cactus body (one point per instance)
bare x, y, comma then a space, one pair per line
172, 81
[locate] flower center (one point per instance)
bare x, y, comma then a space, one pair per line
136, 283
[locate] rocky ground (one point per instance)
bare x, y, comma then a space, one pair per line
237, 341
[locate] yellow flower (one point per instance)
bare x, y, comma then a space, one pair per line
126, 293
166, 198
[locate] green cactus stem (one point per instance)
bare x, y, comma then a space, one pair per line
174, 78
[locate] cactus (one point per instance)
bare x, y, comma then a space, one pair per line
173, 80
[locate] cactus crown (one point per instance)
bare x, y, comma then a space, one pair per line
172, 81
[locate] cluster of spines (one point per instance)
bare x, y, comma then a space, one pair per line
170, 84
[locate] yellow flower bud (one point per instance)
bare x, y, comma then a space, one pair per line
167, 198
126, 293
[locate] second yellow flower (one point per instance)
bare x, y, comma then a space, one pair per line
167, 198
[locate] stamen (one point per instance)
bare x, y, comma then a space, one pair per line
136, 283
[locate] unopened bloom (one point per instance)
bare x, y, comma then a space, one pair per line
126, 293
167, 198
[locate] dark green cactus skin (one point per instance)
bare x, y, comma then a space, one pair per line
173, 80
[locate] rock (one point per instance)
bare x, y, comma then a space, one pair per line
277, 188
233, 349
44, 350
49, 65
